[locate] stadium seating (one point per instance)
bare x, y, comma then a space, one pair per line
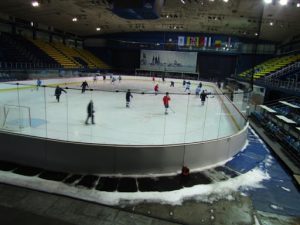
92, 59
62, 59
270, 66
18, 53
11, 52
286, 134
71, 58
258, 116
70, 53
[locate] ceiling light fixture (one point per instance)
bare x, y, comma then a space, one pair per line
75, 19
35, 3
98, 28
298, 5
283, 2
182, 1
225, 1
256, 34
268, 1
271, 23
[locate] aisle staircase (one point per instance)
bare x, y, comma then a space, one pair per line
72, 54
58, 56
89, 57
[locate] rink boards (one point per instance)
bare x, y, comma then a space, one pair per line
78, 157
108, 159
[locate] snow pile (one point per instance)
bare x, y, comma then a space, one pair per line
268, 162
286, 189
259, 139
276, 207
206, 193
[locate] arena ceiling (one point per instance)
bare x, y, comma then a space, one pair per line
236, 17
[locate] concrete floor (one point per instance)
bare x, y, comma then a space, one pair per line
23, 206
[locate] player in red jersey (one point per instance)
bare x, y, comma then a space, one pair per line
156, 89
166, 100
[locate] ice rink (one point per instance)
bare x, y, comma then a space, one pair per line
144, 123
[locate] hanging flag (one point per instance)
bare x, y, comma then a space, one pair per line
188, 41
209, 42
229, 42
193, 41
205, 41
181, 41
218, 43
202, 41
197, 42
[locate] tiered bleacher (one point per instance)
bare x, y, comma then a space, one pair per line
10, 54
281, 120
58, 56
17, 52
270, 66
92, 58
74, 54
71, 58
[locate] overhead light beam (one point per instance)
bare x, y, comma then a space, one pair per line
35, 4
283, 2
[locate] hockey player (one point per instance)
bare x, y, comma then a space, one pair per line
128, 96
90, 112
183, 83
38, 83
166, 100
120, 78
58, 91
203, 97
187, 86
153, 79
197, 91
200, 85
156, 89
113, 79
83, 86
95, 78
172, 84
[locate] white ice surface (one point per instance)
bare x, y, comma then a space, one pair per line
144, 123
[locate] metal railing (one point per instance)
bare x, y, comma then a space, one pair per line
286, 70
292, 84
26, 65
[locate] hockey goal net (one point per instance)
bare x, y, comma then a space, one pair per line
15, 117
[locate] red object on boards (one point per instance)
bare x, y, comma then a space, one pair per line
185, 171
